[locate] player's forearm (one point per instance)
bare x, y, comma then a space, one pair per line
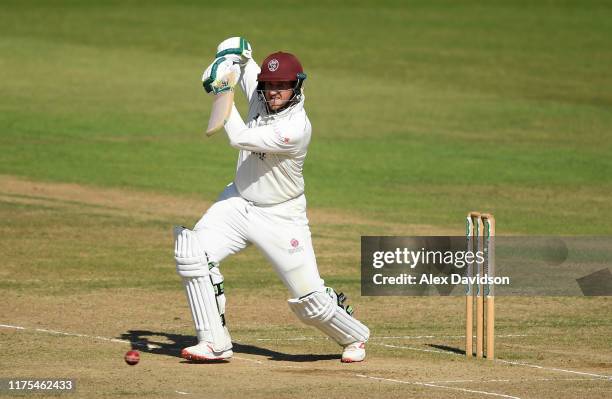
257, 139
248, 78
235, 127
240, 136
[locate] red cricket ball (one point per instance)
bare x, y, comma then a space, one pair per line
132, 357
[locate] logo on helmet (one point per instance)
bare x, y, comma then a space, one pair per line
273, 65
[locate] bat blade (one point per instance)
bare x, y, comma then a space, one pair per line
221, 107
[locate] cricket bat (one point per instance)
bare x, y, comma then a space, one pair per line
222, 103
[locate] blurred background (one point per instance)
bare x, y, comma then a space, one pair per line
420, 110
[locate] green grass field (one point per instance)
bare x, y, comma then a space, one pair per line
421, 111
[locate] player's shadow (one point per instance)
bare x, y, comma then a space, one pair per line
448, 349
280, 356
150, 342
172, 344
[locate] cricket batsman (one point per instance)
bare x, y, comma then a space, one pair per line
264, 205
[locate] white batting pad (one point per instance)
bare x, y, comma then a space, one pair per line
188, 254
192, 266
321, 310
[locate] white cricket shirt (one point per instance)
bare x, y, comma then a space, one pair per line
272, 147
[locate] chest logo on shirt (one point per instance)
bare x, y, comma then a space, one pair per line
260, 155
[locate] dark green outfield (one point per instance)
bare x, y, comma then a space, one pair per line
420, 112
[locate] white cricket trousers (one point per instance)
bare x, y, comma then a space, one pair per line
280, 231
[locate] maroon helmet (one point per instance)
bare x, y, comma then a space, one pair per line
281, 67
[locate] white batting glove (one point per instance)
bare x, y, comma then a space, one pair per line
236, 49
216, 78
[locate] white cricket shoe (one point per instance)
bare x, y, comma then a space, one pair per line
204, 351
354, 352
